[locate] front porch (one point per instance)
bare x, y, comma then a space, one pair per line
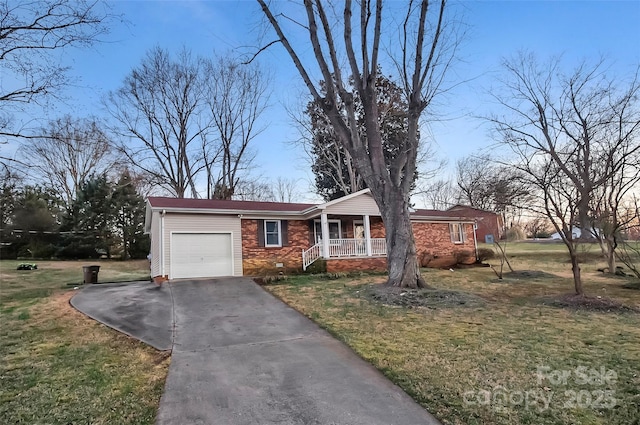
330, 243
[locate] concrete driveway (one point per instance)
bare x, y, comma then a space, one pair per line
241, 356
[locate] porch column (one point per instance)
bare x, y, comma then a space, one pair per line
324, 224
367, 234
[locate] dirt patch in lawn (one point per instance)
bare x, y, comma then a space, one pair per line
587, 303
429, 298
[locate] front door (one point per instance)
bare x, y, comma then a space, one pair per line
358, 235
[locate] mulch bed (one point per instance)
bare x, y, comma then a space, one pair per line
522, 276
429, 298
632, 285
529, 274
587, 303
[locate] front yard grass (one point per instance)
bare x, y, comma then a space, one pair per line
59, 367
515, 359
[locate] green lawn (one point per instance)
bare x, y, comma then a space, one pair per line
514, 360
59, 367
499, 362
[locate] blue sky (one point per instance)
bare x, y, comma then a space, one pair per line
576, 29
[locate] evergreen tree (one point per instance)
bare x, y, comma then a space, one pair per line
129, 208
89, 221
35, 222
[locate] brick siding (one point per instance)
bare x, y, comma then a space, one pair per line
433, 244
336, 265
261, 261
435, 248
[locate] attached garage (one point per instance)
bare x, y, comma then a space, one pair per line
196, 255
193, 245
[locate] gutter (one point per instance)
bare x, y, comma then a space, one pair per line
162, 214
232, 212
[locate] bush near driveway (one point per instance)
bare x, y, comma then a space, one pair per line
501, 362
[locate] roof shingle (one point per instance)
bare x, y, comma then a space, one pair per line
219, 204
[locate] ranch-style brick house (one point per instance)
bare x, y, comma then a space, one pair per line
199, 238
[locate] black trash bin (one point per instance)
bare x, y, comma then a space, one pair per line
90, 274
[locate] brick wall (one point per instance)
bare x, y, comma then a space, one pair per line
261, 261
433, 243
338, 265
159, 279
377, 227
435, 249
489, 223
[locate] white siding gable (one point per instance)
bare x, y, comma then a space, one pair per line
362, 204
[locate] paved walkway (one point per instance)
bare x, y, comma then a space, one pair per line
241, 356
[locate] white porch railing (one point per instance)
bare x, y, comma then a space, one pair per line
310, 255
344, 248
341, 248
379, 246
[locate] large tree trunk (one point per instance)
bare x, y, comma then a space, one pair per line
402, 260
584, 220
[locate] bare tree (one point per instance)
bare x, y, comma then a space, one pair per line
253, 190
537, 226
69, 151
162, 113
237, 96
612, 202
282, 189
422, 57
30, 31
439, 194
629, 250
571, 133
486, 184
285, 189
471, 181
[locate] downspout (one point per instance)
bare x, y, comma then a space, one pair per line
475, 239
162, 214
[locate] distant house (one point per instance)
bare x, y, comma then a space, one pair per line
197, 238
633, 233
576, 233
489, 224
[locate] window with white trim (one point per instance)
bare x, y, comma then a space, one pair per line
272, 233
335, 230
457, 232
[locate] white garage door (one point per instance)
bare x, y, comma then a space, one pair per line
201, 255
